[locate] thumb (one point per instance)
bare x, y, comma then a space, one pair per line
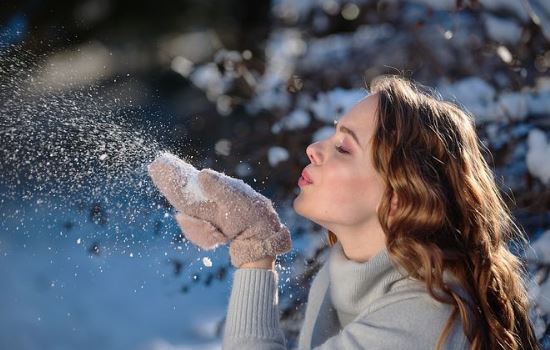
200, 232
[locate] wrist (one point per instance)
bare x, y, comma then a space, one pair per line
267, 263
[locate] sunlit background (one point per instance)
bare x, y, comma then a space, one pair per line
91, 91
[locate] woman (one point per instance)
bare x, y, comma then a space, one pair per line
417, 227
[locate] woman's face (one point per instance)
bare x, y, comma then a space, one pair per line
346, 190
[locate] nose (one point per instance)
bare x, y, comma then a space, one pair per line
313, 154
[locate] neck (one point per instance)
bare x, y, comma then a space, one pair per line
361, 243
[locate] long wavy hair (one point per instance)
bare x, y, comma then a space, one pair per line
450, 216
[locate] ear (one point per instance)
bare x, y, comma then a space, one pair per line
393, 204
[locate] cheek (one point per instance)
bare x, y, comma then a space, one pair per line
357, 194
373, 182
347, 185
345, 194
373, 188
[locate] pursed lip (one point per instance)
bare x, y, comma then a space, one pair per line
306, 176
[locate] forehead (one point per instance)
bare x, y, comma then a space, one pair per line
362, 117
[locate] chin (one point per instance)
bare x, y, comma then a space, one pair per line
295, 206
296, 200
298, 208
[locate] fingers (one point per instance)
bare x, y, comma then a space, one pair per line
170, 175
200, 232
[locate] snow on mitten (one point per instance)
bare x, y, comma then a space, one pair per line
215, 209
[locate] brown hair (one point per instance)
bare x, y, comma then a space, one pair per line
451, 215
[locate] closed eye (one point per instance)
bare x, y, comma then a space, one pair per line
341, 150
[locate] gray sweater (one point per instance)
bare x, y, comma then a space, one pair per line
351, 306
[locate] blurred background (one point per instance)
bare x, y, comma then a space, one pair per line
91, 91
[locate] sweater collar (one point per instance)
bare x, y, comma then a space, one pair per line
353, 285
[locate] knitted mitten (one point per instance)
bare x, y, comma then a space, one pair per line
215, 209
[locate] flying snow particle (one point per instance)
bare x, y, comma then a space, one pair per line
207, 262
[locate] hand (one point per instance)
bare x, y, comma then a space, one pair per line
230, 210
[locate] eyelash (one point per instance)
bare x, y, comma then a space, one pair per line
341, 150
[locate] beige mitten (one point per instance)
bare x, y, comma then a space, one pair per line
215, 209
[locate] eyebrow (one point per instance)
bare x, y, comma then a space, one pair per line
348, 131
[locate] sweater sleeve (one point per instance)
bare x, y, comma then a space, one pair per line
252, 320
